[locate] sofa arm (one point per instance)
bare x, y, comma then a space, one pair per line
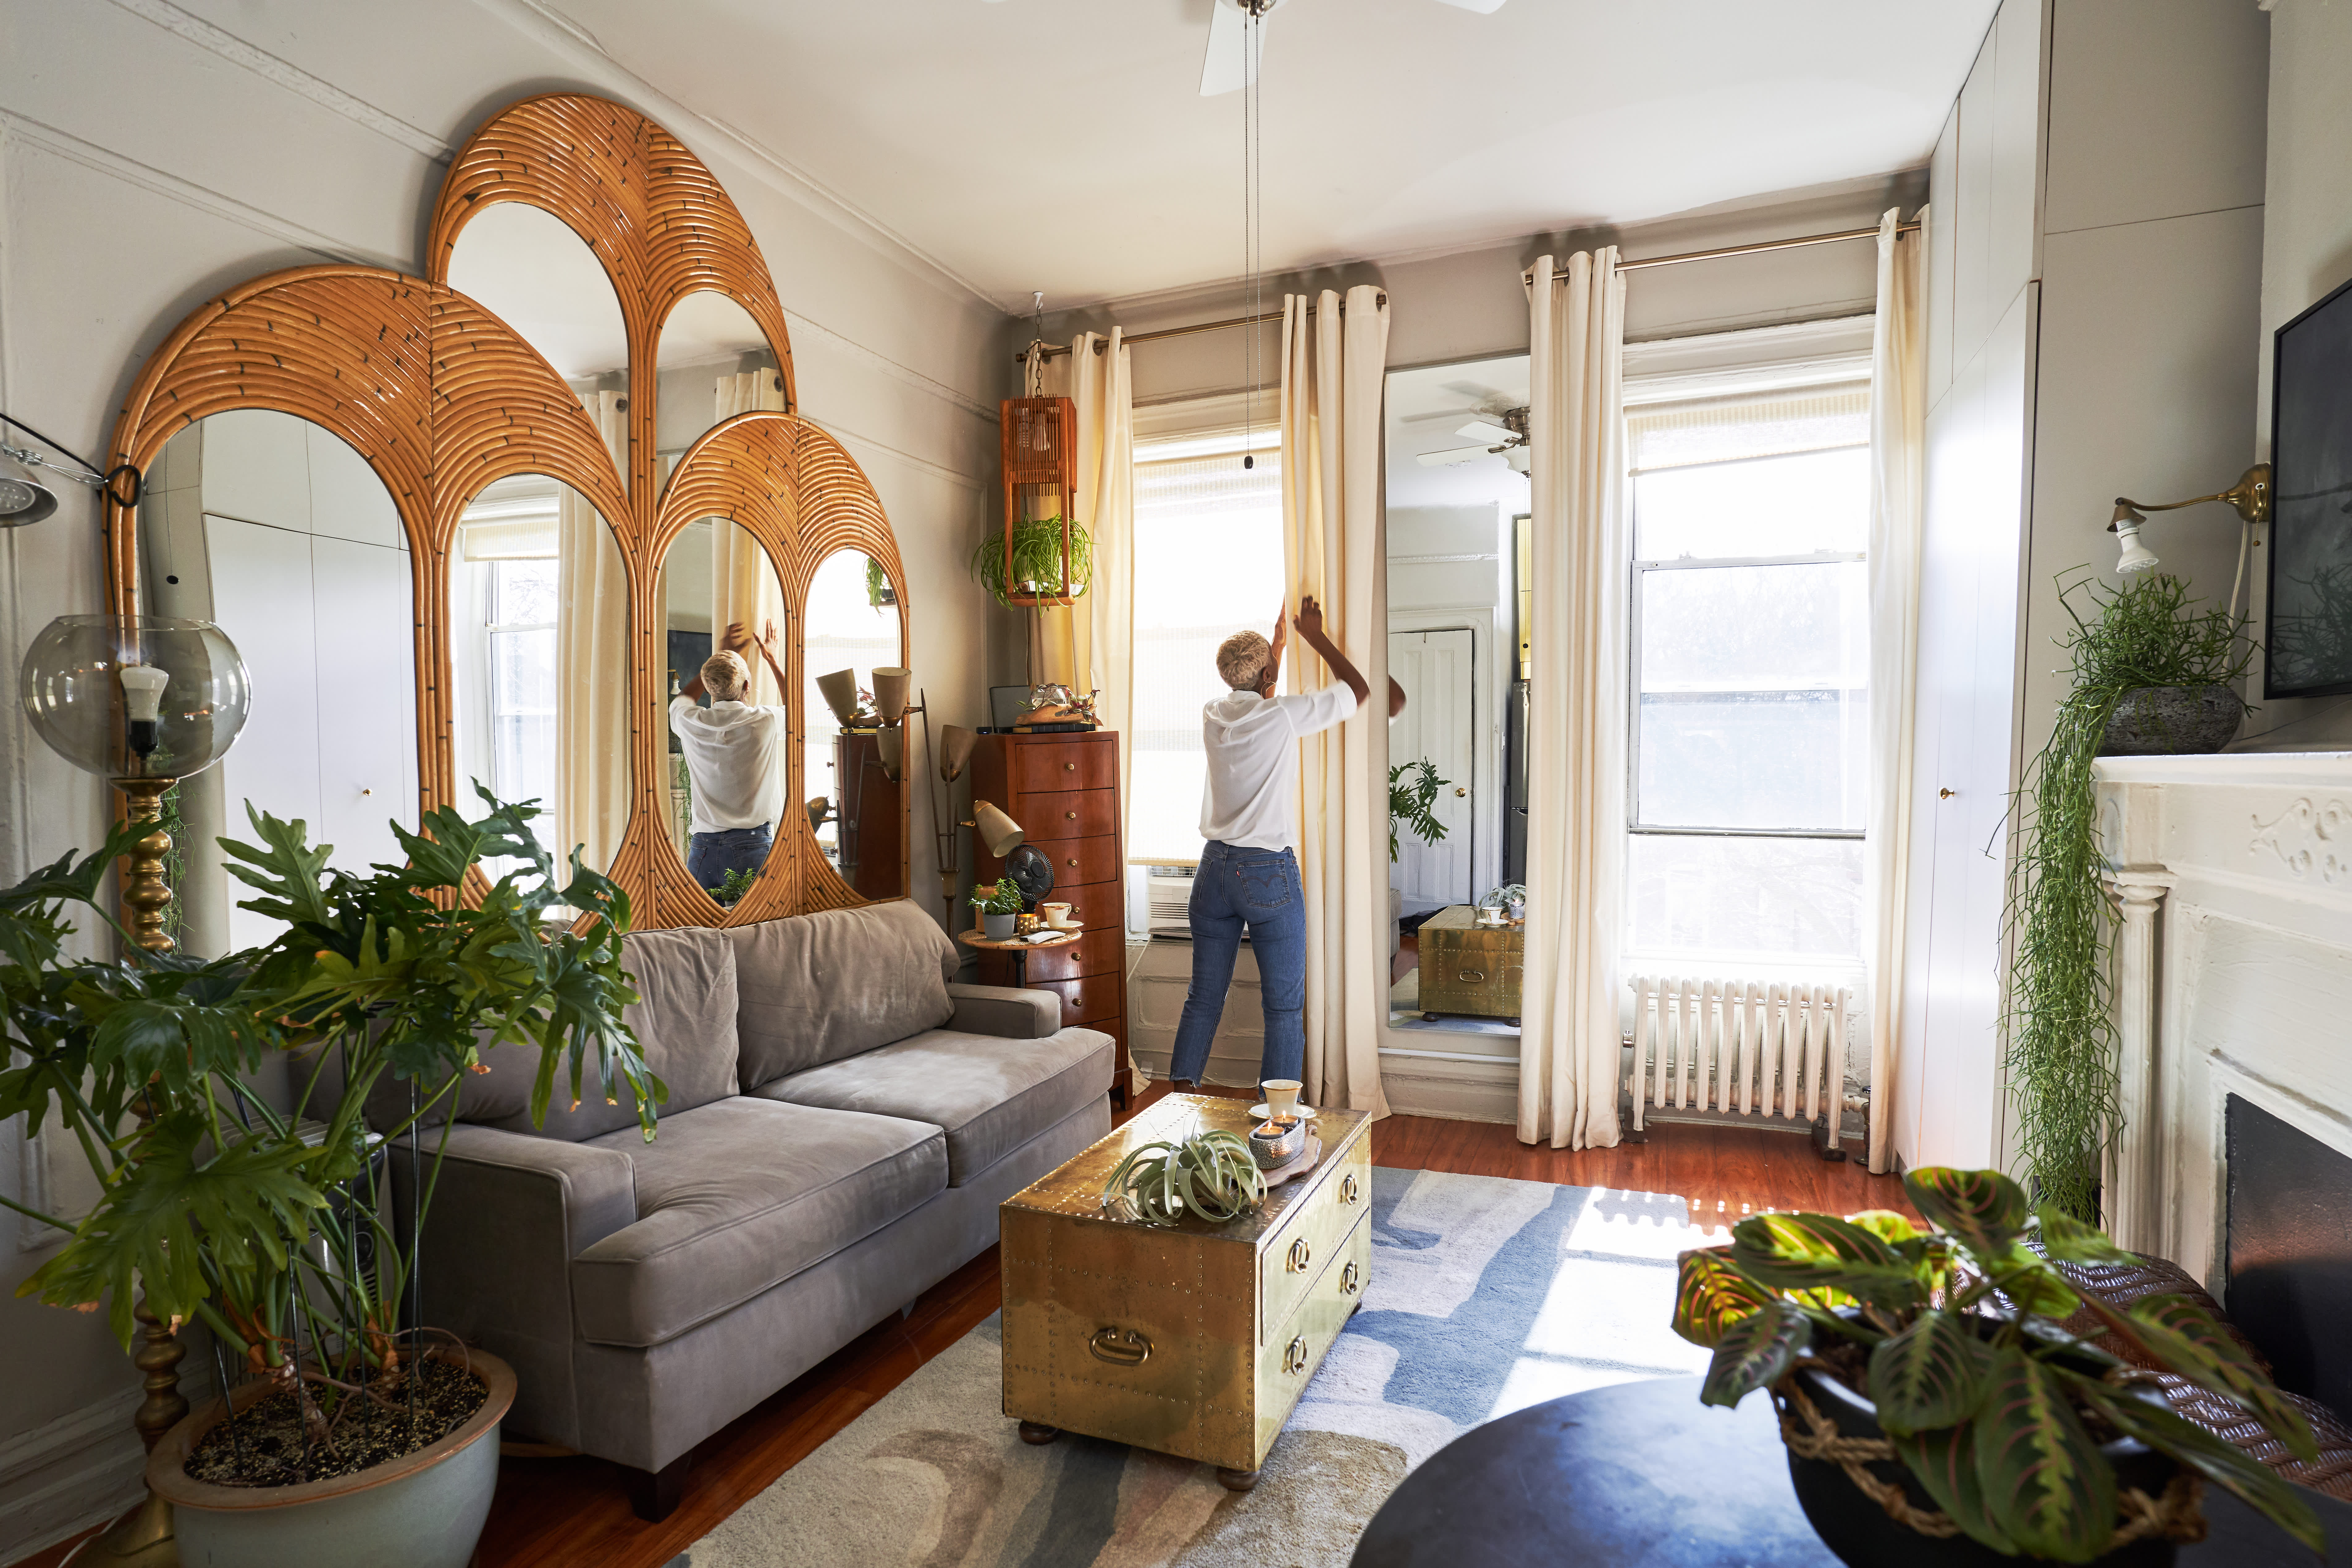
1009, 1012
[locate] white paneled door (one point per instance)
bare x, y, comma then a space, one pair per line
1439, 724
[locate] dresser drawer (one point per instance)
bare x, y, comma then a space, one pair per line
1295, 1257
1067, 814
1080, 861
1088, 999
1097, 906
1096, 953
1042, 767
1288, 1357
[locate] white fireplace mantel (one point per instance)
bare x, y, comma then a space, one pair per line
2234, 975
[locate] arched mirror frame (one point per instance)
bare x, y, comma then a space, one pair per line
442, 398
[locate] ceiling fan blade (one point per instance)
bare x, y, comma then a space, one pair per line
1454, 456
1487, 430
1484, 7
1225, 67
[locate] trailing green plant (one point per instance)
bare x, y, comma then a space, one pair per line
1001, 897
1956, 1333
879, 591
1036, 559
213, 1205
1414, 806
2062, 1044
1210, 1174
734, 886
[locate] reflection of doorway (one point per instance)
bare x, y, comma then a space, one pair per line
1436, 667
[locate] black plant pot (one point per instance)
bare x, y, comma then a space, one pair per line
1864, 1535
2172, 721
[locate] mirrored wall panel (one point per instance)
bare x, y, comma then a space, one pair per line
532, 272
727, 728
855, 747
539, 654
712, 363
281, 534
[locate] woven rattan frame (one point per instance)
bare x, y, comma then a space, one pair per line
441, 398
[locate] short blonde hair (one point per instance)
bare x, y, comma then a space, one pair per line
1241, 660
727, 676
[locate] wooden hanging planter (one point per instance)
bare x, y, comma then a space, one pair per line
1040, 464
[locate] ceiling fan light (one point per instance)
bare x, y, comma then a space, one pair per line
24, 498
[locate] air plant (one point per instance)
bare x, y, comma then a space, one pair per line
1210, 1174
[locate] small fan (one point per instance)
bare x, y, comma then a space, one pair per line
1231, 65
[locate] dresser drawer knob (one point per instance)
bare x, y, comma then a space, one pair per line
1121, 1347
1348, 1188
1069, 767
1069, 817
1300, 1254
1294, 1355
1351, 1278
1070, 862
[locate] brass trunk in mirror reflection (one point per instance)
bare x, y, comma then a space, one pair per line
442, 399
1195, 1341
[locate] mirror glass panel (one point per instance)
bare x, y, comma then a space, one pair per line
539, 654
855, 772
533, 273
727, 757
712, 363
280, 533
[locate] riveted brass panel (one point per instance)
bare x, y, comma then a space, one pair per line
1287, 1360
1292, 1258
1467, 968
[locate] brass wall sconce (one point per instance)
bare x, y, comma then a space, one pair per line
2249, 498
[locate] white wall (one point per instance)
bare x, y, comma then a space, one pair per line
2093, 267
154, 152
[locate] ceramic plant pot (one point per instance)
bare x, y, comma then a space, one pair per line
999, 928
423, 1510
2166, 721
1861, 1531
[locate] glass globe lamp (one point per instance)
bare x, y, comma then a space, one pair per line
143, 701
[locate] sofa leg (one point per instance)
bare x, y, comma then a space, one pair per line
653, 1494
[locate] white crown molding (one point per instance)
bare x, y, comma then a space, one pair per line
293, 79
802, 326
849, 437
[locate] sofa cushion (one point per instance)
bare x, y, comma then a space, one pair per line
817, 988
991, 1095
739, 1196
684, 1019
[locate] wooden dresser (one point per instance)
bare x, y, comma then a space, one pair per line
1064, 792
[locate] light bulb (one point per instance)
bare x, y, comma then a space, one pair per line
2136, 557
142, 702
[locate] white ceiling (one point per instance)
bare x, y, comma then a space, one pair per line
1064, 146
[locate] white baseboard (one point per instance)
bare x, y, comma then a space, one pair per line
1452, 1091
79, 1470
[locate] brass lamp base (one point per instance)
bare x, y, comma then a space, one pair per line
145, 894
141, 1539
144, 1538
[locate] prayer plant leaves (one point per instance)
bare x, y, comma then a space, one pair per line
2146, 1417
2069, 1240
1931, 1374
1946, 1463
1710, 1295
2191, 1343
1983, 1210
2048, 1488
1755, 1353
1815, 1252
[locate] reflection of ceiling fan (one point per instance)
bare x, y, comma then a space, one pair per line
1228, 65
1505, 436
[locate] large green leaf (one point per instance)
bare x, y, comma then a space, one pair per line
286, 872
2027, 1278
1983, 1209
2192, 1344
2227, 1465
1710, 1295
1931, 1374
1945, 1460
1889, 1227
1815, 1251
1755, 1353
2045, 1483
2069, 1240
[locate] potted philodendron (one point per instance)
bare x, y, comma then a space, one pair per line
1036, 561
1936, 1408
358, 1435
2142, 657
998, 904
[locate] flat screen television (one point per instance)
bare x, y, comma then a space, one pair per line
2307, 629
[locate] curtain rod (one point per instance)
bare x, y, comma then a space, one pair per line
1053, 349
1528, 275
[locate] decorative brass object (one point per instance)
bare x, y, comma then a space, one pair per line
145, 894
1470, 969
1349, 1191
144, 1538
2249, 498
1234, 1332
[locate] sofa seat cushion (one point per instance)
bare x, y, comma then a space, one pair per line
737, 1196
990, 1094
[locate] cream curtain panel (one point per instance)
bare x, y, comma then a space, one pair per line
1090, 645
592, 665
1570, 1044
1334, 370
1898, 417
744, 586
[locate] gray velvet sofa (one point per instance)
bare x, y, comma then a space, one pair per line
842, 1123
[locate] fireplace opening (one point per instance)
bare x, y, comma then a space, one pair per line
2288, 1241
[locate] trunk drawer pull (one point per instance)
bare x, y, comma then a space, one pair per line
1294, 1355
1349, 1281
1121, 1347
1300, 1255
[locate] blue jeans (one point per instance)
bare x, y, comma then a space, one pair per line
711, 855
1259, 889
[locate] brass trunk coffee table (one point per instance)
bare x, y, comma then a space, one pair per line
1197, 1339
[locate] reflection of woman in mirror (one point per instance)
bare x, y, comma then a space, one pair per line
735, 756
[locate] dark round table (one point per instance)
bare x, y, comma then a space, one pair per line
1642, 1473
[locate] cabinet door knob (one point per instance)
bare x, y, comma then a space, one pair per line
1460, 790
1944, 794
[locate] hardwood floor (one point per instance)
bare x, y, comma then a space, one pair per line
570, 1511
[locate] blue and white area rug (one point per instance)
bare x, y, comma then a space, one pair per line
1487, 1296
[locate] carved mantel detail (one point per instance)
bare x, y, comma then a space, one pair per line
2309, 838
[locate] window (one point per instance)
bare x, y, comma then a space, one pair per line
1750, 659
522, 679
1208, 564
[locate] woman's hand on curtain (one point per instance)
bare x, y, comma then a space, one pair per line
1309, 621
768, 652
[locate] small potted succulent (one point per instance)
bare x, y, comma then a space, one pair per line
998, 904
1938, 1410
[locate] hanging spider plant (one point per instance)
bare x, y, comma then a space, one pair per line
1036, 559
